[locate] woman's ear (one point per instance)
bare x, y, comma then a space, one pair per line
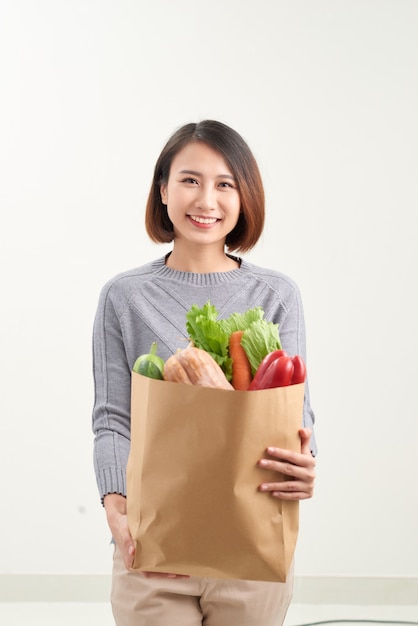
163, 192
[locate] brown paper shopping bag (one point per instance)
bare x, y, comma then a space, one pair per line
192, 485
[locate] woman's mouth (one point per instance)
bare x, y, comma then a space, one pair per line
204, 221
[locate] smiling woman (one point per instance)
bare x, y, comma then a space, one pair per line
206, 198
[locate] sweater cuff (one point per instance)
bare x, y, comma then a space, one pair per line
112, 480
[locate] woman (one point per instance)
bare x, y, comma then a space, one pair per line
207, 199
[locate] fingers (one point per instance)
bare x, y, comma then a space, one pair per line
128, 552
297, 469
290, 461
288, 490
118, 524
305, 435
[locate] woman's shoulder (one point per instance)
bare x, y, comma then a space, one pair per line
273, 277
123, 283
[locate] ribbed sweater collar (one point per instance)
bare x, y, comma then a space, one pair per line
161, 270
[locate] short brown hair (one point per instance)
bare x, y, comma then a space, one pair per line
236, 152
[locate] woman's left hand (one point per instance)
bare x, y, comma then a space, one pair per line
297, 467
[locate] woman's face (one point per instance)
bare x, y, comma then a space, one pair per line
201, 195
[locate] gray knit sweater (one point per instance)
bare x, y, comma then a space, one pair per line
149, 304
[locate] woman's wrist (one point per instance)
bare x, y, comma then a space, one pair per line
114, 503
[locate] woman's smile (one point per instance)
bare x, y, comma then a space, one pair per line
202, 221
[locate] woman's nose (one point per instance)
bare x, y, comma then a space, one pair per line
207, 198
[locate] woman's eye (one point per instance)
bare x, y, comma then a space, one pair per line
226, 185
189, 180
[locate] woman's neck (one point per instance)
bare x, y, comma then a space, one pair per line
200, 260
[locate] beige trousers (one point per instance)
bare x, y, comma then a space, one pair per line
140, 601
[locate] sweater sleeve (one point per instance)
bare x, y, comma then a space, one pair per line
111, 411
293, 339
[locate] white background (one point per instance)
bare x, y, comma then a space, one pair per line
325, 92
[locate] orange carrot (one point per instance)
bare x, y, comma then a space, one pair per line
241, 369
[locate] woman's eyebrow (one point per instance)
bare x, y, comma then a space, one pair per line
195, 173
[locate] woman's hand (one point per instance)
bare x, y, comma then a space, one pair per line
297, 467
117, 518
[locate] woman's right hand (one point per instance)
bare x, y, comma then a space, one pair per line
117, 518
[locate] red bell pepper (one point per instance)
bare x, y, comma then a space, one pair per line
278, 370
263, 367
299, 371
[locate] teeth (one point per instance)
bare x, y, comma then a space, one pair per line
203, 220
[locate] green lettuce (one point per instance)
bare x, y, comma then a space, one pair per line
258, 340
206, 333
241, 321
209, 333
